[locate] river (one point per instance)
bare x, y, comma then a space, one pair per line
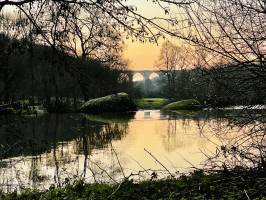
37, 152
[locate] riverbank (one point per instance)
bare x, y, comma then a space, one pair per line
229, 185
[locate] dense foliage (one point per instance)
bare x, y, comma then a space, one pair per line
243, 185
45, 73
220, 86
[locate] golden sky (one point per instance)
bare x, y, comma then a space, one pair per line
143, 56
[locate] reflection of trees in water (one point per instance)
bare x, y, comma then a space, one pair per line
177, 130
243, 142
9, 141
98, 137
170, 142
239, 137
66, 141
92, 136
32, 136
35, 176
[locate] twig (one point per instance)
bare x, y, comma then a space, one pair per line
93, 174
193, 166
115, 190
246, 194
118, 161
106, 173
158, 162
140, 165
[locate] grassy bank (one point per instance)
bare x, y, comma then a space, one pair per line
188, 104
151, 103
240, 185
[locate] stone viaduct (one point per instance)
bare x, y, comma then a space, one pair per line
145, 73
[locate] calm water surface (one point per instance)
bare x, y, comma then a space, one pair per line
54, 149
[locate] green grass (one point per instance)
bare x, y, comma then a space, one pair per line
151, 103
189, 104
240, 185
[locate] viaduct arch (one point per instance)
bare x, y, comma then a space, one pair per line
145, 73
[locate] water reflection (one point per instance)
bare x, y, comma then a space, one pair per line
56, 149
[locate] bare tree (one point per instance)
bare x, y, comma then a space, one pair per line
172, 58
233, 32
127, 18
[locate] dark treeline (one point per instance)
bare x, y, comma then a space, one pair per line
31, 70
219, 86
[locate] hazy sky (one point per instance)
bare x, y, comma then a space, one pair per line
143, 56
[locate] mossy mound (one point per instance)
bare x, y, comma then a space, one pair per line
120, 102
189, 104
151, 103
